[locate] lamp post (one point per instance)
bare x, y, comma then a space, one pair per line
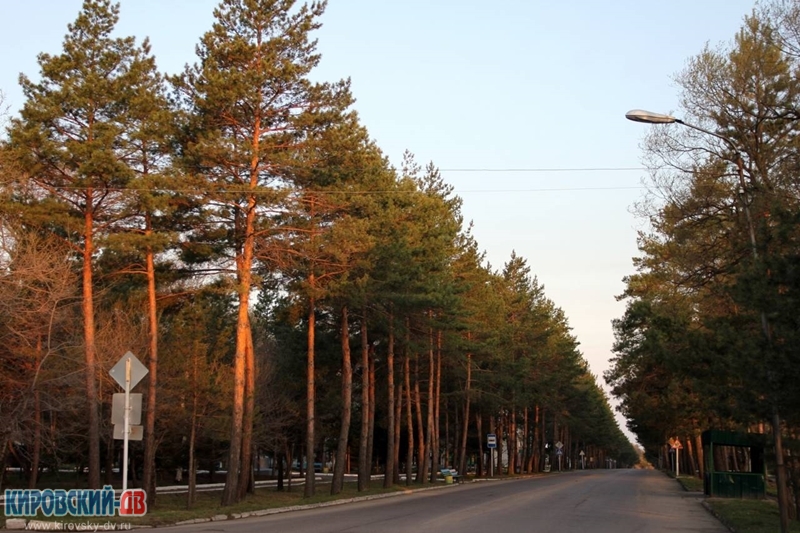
648, 117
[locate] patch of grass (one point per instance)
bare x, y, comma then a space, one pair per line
171, 508
750, 516
691, 483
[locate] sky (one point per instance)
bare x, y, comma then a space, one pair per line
520, 103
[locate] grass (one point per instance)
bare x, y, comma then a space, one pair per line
750, 516
691, 483
743, 516
171, 508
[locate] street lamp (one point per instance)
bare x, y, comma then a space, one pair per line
648, 117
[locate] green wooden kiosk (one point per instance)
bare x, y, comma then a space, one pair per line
734, 464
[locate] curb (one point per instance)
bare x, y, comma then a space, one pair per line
717, 516
280, 510
42, 525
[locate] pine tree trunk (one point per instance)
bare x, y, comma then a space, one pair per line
420, 429
279, 458
499, 432
244, 342
248, 417
148, 476
437, 441
310, 393
533, 459
191, 496
371, 426
698, 442
37, 424
109, 459
230, 492
289, 460
409, 417
492, 452
90, 352
389, 474
427, 466
691, 457
526, 443
363, 459
347, 401
780, 471
462, 454
512, 441
398, 417
543, 440
481, 467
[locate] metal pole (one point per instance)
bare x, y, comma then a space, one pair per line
127, 424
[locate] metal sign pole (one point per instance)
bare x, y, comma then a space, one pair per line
126, 425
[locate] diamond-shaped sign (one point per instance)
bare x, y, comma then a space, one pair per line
559, 445
118, 408
138, 370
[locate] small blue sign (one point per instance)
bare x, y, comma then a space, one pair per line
491, 441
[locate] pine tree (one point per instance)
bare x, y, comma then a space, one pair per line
72, 140
255, 114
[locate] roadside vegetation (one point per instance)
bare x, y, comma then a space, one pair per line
296, 298
709, 339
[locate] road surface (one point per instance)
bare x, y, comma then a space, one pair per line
592, 501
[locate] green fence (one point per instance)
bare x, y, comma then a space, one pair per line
734, 464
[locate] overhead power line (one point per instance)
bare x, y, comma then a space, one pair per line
586, 169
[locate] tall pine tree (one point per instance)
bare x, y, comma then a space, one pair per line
72, 140
256, 113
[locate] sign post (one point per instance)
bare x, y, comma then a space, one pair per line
128, 372
676, 446
583, 463
491, 443
559, 453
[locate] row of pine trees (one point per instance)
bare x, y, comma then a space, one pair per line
290, 292
710, 338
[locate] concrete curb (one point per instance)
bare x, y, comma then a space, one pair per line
31, 525
718, 517
332, 503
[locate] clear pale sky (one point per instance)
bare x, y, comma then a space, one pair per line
467, 84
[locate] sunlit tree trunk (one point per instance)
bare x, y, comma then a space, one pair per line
89, 347
149, 474
248, 417
310, 393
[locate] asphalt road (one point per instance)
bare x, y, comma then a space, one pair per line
594, 501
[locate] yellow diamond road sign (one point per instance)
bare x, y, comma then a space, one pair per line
138, 370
